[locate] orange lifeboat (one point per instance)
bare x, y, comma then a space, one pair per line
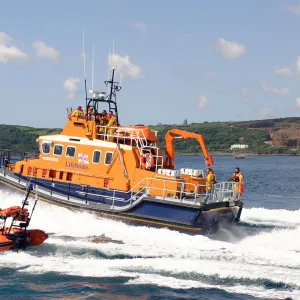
17, 236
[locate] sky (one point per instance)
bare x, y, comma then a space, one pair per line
179, 59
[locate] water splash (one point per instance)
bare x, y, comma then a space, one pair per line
266, 264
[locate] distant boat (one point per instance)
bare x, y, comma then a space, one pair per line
238, 155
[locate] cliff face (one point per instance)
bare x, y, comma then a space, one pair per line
283, 132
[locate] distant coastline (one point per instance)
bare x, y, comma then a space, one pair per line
269, 137
229, 154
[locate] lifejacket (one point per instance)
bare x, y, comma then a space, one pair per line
112, 120
210, 180
148, 161
236, 177
89, 115
104, 119
213, 180
77, 113
97, 117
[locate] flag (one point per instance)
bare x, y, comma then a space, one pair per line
83, 158
117, 87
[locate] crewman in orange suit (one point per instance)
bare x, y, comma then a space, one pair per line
111, 123
238, 178
78, 112
210, 181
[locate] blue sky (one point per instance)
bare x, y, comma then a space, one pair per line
200, 60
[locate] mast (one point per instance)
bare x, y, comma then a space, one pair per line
112, 99
83, 53
112, 87
112, 83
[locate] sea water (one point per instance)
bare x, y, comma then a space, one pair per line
258, 259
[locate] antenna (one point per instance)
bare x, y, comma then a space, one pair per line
108, 69
83, 53
93, 68
121, 74
113, 53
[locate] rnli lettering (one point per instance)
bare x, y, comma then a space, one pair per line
69, 164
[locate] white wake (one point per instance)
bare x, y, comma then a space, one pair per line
164, 257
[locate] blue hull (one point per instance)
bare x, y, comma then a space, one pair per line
150, 211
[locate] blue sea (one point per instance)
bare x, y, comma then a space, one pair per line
258, 259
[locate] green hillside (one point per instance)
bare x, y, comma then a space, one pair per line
22, 138
218, 136
272, 136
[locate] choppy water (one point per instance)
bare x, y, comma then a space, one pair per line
259, 259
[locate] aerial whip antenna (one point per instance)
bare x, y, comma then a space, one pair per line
93, 68
83, 53
113, 57
121, 74
108, 69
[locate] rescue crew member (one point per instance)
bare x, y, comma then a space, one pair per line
89, 114
98, 118
238, 178
210, 179
111, 123
6, 161
78, 112
105, 117
101, 122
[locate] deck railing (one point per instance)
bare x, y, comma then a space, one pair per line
132, 137
170, 191
188, 192
185, 192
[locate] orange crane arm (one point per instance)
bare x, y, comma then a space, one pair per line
170, 151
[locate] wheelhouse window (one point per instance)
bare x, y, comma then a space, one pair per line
46, 146
70, 151
96, 157
108, 158
58, 150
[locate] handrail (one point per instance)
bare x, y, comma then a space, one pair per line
135, 134
220, 191
185, 192
139, 134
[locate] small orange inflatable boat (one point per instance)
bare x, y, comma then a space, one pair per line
17, 236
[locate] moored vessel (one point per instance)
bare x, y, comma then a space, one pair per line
239, 156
